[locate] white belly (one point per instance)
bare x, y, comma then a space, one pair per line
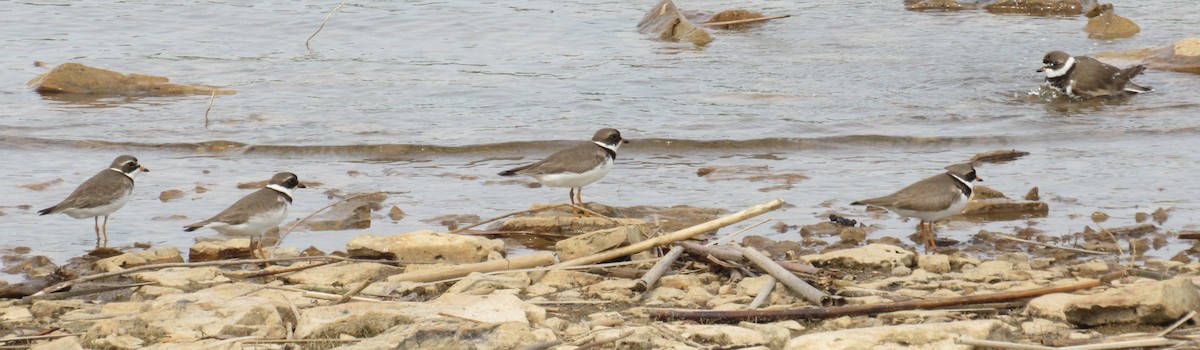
575, 180
257, 225
954, 208
80, 213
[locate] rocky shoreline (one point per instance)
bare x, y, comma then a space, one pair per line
462, 290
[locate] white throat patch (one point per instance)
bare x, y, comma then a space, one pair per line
280, 189
964, 182
130, 176
609, 147
1052, 73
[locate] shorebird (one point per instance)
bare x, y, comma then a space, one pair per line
934, 198
576, 166
101, 195
1086, 77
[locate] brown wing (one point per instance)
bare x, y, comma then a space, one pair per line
103, 188
578, 158
1106, 80
261, 200
931, 194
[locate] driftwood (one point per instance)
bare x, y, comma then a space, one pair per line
738, 232
520, 262
79, 280
1127, 344
747, 20
733, 255
658, 270
677, 235
856, 310
813, 295
763, 294
330, 15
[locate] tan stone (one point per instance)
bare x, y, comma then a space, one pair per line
597, 241
873, 256
477, 283
183, 277
237, 248
1109, 25
76, 78
424, 247
64, 343
918, 336
1036, 7
937, 263
146, 257
1183, 56
342, 274
1155, 302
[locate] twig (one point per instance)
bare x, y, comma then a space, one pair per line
302, 341
232, 341
763, 294
327, 17
1085, 251
295, 314
747, 20
1128, 344
330, 205
350, 295
658, 270
813, 295
570, 302
734, 256
731, 235
210, 103
319, 295
855, 310
37, 337
547, 268
75, 293
677, 235
79, 280
1000, 344
1116, 243
262, 273
520, 262
1183, 319
607, 339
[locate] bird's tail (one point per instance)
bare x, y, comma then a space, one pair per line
196, 226
1127, 75
47, 211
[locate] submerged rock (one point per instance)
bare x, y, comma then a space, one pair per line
1037, 7
1103, 23
666, 21
75, 78
933, 5
1183, 56
348, 215
1005, 209
424, 247
998, 156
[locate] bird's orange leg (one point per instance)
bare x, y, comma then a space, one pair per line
571, 196
105, 230
96, 222
579, 196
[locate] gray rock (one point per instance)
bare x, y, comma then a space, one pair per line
1156, 302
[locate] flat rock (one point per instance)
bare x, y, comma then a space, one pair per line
918, 336
933, 5
75, 78
146, 257
224, 311
456, 334
668, 23
1036, 7
879, 257
597, 241
352, 214
998, 156
342, 274
1001, 209
718, 334
365, 320
477, 283
64, 343
1152, 303
562, 225
237, 248
937, 263
424, 246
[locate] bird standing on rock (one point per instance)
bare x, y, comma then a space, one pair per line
257, 212
576, 166
101, 195
934, 198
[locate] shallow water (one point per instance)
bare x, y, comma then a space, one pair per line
431, 99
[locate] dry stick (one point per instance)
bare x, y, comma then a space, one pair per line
295, 314
813, 295
263, 273
1085, 251
37, 337
1137, 343
547, 268
1183, 319
1000, 344
302, 341
605, 340
350, 295
1116, 243
330, 205
855, 310
231, 341
658, 270
520, 262
210, 103
677, 235
319, 295
747, 20
74, 293
79, 280
327, 17
763, 293
732, 255
731, 235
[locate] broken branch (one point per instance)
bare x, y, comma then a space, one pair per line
813, 295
